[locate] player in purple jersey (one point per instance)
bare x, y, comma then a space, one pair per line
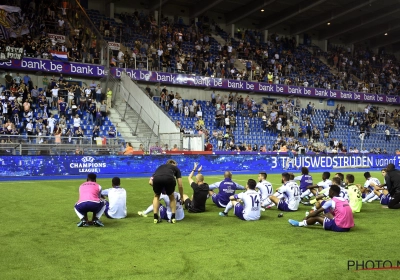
305, 179
226, 188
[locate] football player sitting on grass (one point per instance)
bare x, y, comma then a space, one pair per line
337, 214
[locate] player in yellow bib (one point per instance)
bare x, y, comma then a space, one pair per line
354, 193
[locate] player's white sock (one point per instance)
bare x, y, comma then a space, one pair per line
303, 223
228, 207
305, 193
148, 210
369, 196
374, 198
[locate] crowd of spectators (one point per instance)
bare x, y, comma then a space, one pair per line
59, 109
289, 121
376, 72
36, 22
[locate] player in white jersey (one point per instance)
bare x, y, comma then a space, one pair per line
251, 208
116, 204
287, 197
165, 211
316, 189
320, 198
369, 186
382, 192
265, 189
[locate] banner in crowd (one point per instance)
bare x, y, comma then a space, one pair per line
56, 38
11, 25
91, 70
11, 53
78, 165
114, 46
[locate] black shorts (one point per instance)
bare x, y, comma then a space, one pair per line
163, 184
188, 204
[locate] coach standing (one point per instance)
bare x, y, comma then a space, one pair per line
392, 179
165, 178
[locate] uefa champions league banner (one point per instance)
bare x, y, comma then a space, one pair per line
146, 165
91, 70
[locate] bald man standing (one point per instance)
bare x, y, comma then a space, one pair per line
226, 188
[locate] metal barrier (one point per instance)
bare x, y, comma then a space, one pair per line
54, 145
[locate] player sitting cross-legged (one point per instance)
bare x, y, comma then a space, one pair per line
251, 208
338, 214
287, 197
226, 188
370, 185
382, 192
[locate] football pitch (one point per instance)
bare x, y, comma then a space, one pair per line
40, 240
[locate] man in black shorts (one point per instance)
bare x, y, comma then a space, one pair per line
197, 203
165, 178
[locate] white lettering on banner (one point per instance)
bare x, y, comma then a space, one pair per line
279, 89
6, 63
202, 81
142, 75
332, 94
334, 162
357, 96
249, 86
384, 161
169, 78
307, 91
235, 85
88, 165
295, 90
100, 71
369, 97
391, 99
322, 93
40, 65
268, 88
346, 95
379, 98
86, 70
55, 67
217, 83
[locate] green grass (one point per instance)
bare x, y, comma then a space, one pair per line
39, 239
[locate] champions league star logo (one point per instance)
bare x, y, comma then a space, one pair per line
87, 159
88, 164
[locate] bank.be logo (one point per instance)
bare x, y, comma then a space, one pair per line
87, 159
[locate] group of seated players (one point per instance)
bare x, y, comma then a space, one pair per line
337, 199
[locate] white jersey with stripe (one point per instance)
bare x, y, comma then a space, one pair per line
325, 184
251, 204
265, 189
179, 213
370, 182
291, 192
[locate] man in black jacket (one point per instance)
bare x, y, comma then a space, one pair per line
392, 179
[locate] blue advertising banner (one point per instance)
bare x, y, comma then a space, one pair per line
92, 70
79, 165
